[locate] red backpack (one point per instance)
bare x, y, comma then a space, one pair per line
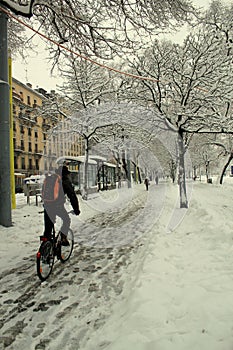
51, 188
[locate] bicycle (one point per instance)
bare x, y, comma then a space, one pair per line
51, 248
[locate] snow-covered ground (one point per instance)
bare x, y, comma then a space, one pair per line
144, 275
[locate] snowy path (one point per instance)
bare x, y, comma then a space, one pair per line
77, 299
130, 285
183, 297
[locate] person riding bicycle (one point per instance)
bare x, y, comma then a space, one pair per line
56, 207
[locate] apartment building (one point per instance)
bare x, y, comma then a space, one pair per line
36, 145
28, 135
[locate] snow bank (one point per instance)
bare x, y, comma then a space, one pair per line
182, 297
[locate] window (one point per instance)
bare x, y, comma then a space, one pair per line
22, 129
37, 164
29, 100
22, 145
29, 132
30, 163
29, 146
36, 134
28, 114
36, 148
15, 163
23, 163
21, 112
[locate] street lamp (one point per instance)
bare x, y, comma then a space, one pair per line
24, 8
19, 7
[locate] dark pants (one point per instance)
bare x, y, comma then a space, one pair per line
50, 213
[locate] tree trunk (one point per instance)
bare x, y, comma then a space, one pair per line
139, 175
128, 170
124, 164
225, 167
85, 172
207, 163
181, 174
118, 174
172, 169
194, 173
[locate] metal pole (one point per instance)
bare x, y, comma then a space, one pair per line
12, 177
5, 185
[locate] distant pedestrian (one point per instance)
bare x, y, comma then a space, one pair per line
146, 182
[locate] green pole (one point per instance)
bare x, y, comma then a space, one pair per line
5, 184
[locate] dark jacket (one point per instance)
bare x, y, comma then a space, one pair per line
69, 191
66, 188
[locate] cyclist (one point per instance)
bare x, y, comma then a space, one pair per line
57, 208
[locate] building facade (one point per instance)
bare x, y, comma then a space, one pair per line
28, 133
36, 144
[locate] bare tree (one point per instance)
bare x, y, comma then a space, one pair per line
85, 84
103, 28
214, 149
17, 38
193, 89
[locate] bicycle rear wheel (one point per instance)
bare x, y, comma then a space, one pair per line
45, 260
66, 251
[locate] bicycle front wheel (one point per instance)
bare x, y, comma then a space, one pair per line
66, 251
45, 260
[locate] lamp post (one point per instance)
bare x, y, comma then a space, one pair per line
24, 9
5, 185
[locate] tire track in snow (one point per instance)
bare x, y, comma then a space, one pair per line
78, 296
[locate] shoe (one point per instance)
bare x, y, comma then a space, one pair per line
64, 240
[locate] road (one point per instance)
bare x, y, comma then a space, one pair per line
64, 311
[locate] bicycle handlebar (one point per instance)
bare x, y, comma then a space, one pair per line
71, 212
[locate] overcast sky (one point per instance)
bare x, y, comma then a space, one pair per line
37, 70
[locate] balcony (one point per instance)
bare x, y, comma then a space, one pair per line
46, 126
38, 154
18, 150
